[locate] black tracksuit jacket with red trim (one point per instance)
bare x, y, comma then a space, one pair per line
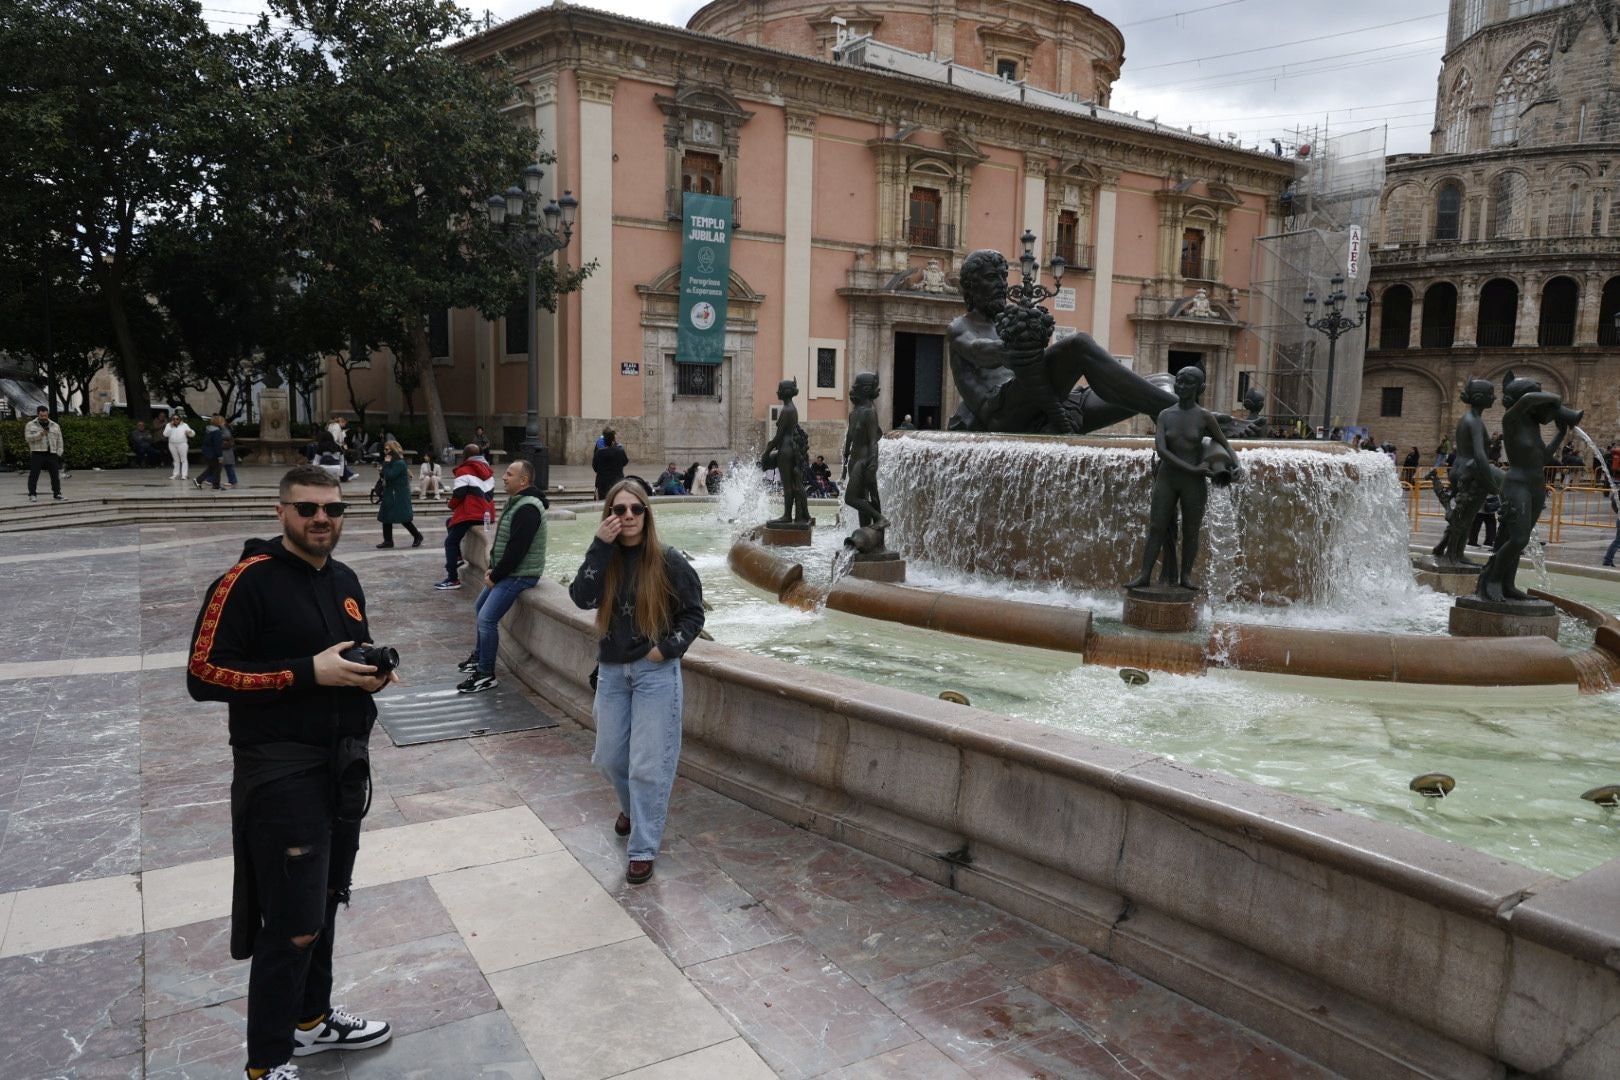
255, 642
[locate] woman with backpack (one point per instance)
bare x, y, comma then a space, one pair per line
394, 508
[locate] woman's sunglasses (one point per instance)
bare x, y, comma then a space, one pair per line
626, 509
309, 509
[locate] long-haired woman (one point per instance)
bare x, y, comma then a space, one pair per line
649, 609
395, 507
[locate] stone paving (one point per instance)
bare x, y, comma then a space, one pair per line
490, 922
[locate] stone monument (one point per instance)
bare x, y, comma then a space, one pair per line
1473, 480
1011, 380
871, 558
788, 453
275, 430
1191, 450
1499, 608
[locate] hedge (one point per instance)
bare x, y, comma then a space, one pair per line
88, 442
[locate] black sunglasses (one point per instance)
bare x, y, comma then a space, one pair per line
310, 509
624, 509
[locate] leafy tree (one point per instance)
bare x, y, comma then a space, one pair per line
113, 119
390, 145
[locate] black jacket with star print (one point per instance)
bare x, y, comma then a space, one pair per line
623, 643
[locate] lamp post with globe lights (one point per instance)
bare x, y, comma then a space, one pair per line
533, 233
1335, 324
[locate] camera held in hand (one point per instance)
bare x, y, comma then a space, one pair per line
381, 657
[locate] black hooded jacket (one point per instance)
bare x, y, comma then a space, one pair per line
255, 642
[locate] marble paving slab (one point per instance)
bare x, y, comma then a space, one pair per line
650, 1014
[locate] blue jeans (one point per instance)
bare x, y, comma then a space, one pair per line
452, 548
1608, 559
492, 603
638, 743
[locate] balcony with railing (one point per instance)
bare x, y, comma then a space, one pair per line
930, 234
1075, 256
1194, 268
1555, 334
1410, 252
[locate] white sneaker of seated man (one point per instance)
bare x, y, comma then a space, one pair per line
340, 1031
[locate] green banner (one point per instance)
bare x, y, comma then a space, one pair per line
705, 274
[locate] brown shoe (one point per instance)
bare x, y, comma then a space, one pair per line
639, 871
622, 826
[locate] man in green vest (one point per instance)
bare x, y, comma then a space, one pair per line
517, 558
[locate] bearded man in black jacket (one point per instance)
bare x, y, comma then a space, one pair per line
267, 643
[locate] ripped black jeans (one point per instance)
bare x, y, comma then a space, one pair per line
303, 854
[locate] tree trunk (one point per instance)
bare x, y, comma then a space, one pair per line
140, 405
423, 356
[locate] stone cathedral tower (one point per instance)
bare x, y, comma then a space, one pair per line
1501, 246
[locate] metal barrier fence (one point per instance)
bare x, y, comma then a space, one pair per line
1573, 500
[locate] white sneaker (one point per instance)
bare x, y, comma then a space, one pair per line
288, 1071
341, 1031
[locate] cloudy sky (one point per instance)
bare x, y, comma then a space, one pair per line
1256, 68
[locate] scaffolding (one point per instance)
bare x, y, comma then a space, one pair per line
1333, 199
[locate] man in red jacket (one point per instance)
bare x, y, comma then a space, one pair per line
472, 502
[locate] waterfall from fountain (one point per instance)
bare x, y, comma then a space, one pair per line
1599, 456
1324, 526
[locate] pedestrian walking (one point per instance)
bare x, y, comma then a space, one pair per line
608, 462
517, 558
44, 438
227, 453
1614, 547
395, 507
649, 610
177, 434
269, 642
472, 486
213, 448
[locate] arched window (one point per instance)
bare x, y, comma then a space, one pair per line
1448, 212
1559, 298
1403, 215
1498, 313
1439, 315
1395, 318
1572, 212
1515, 89
1462, 93
1607, 307
1509, 192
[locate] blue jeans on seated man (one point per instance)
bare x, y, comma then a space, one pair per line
638, 743
492, 603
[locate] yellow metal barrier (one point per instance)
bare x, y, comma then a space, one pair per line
1572, 500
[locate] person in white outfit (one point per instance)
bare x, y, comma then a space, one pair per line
179, 434
428, 475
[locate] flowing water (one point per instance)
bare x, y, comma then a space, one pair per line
1521, 757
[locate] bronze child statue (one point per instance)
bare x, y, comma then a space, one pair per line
1181, 482
1473, 478
861, 452
1524, 491
789, 454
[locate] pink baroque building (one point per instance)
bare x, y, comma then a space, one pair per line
869, 147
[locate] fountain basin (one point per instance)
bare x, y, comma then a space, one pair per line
1074, 511
1372, 949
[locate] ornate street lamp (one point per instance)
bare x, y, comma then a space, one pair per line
1029, 292
1335, 324
533, 234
